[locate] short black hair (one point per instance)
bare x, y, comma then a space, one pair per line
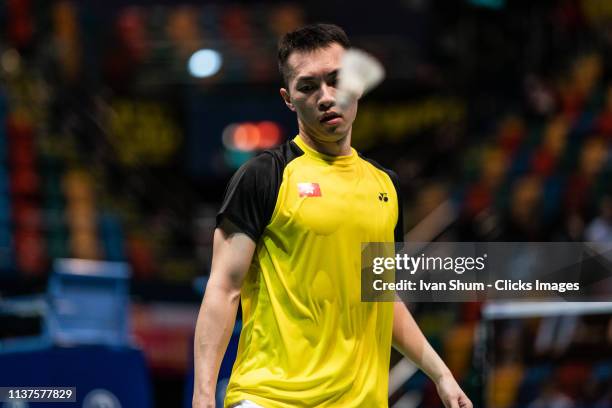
308, 38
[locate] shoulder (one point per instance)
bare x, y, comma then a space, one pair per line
271, 160
251, 194
392, 175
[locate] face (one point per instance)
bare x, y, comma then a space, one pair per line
311, 93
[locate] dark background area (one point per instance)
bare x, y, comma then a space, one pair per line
111, 150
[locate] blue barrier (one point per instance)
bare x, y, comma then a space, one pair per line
118, 376
88, 302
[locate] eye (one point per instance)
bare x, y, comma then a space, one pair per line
306, 88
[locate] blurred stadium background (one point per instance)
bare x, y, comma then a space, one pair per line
117, 138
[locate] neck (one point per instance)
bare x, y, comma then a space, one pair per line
340, 147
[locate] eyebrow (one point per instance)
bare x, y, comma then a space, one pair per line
332, 74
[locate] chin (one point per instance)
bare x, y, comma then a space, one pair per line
331, 136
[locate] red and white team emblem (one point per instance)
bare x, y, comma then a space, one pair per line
309, 189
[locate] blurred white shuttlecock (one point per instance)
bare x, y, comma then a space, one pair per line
359, 73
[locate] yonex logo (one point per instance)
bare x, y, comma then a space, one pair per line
383, 197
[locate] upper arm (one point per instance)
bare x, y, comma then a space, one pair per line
244, 214
232, 254
251, 195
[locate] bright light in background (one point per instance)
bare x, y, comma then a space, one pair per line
270, 134
246, 137
249, 136
204, 63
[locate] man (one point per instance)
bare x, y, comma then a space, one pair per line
288, 242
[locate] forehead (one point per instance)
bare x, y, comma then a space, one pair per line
315, 63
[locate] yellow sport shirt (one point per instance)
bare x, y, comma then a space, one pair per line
307, 339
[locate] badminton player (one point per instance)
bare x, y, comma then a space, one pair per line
288, 245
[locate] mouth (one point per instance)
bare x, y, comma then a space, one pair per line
331, 118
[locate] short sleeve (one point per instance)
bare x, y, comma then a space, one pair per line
250, 196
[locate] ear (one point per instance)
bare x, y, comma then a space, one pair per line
287, 98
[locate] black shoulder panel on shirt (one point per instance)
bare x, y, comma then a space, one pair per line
399, 226
251, 194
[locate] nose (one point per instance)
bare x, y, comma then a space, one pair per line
328, 97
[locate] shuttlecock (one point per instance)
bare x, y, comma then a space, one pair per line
359, 73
